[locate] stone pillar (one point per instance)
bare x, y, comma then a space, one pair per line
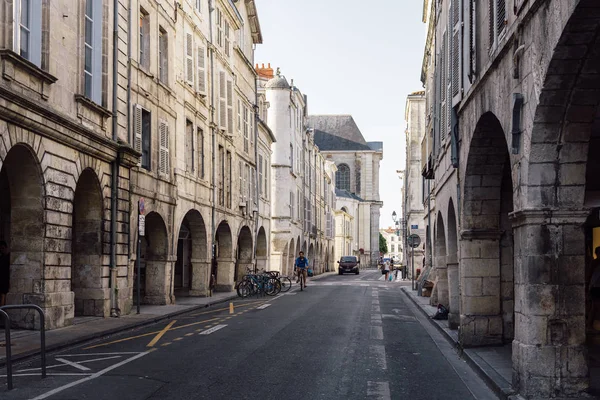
549, 352
158, 282
453, 291
441, 284
480, 311
200, 278
225, 274
261, 263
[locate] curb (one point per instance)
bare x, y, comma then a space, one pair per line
493, 380
134, 325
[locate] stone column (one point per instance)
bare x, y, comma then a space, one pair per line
549, 352
158, 281
441, 284
480, 311
261, 263
225, 274
200, 278
453, 291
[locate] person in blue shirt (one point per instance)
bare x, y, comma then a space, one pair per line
301, 266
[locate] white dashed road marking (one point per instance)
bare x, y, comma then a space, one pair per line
377, 332
212, 330
263, 306
378, 390
378, 352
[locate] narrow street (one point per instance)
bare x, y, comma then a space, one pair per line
345, 337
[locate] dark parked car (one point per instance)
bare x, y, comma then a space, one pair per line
348, 264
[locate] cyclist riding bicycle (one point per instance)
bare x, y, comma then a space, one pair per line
301, 266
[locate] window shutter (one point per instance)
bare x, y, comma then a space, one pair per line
443, 89
201, 70
222, 101
227, 39
36, 32
230, 107
456, 52
251, 128
164, 147
189, 59
146, 41
260, 175
241, 173
472, 40
491, 23
500, 16
137, 128
239, 117
164, 58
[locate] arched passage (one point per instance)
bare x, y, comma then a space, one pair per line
261, 250
452, 263
192, 265
225, 264
291, 257
562, 179
311, 256
244, 253
92, 297
487, 239
155, 269
439, 262
22, 221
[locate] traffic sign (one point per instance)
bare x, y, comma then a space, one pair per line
142, 225
414, 240
142, 206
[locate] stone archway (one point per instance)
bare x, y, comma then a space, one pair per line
562, 186
262, 251
155, 266
23, 228
439, 263
244, 256
92, 297
193, 261
225, 263
486, 272
452, 264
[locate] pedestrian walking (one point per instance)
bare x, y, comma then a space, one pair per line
4, 272
385, 270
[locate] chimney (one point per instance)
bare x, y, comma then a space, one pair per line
264, 72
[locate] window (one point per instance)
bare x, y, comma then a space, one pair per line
163, 56
227, 39
247, 183
393, 248
342, 179
163, 156
241, 172
141, 139
189, 146
93, 50
292, 157
358, 181
219, 26
144, 40
497, 20
222, 100
228, 180
221, 175
266, 178
246, 128
230, 106
27, 40
201, 155
189, 59
199, 5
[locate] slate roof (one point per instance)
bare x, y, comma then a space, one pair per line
337, 132
278, 82
347, 194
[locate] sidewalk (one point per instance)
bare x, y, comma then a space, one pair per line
26, 343
493, 364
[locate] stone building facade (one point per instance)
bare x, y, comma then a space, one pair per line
168, 115
512, 121
357, 162
393, 238
413, 188
302, 180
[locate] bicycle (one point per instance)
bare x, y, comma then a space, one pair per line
301, 278
286, 282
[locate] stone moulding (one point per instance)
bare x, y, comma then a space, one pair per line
480, 234
548, 216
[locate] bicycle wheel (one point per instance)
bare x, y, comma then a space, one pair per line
286, 283
244, 289
273, 287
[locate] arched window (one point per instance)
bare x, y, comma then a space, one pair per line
342, 179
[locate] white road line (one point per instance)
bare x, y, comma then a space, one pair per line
73, 364
375, 309
99, 354
291, 294
375, 302
51, 374
263, 306
80, 362
379, 390
376, 318
377, 332
91, 377
212, 330
378, 352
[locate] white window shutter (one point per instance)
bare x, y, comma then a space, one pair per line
222, 100
241, 173
164, 147
137, 128
189, 59
456, 52
443, 87
230, 107
201, 70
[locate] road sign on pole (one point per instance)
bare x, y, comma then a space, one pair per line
414, 240
142, 224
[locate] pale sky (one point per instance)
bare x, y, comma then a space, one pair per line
352, 57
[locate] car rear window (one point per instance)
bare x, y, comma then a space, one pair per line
348, 259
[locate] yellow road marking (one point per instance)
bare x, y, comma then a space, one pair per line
160, 334
225, 309
148, 334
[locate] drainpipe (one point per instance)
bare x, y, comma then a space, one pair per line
114, 310
213, 135
129, 119
256, 110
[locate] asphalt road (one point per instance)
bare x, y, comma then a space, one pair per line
344, 337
